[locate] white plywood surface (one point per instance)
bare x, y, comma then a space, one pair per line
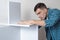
16, 25
30, 33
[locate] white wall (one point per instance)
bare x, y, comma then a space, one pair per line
27, 7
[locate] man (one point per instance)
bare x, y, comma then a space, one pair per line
49, 18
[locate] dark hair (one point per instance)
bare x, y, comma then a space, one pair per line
39, 5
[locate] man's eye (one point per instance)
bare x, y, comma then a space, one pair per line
38, 13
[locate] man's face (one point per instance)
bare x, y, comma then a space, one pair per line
41, 13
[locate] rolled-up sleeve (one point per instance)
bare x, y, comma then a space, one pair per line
53, 19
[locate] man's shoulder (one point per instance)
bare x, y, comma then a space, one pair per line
55, 10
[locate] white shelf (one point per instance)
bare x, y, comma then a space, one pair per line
10, 13
18, 25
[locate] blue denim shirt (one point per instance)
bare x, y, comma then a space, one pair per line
53, 25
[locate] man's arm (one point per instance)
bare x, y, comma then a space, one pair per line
39, 22
53, 19
29, 22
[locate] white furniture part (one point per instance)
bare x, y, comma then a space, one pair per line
9, 16
9, 12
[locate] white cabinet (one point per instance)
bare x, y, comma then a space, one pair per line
29, 33
19, 33
4, 11
14, 12
10, 14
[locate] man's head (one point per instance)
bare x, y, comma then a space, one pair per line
41, 10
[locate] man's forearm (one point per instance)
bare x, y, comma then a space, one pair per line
40, 22
37, 22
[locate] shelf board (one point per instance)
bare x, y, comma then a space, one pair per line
19, 25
